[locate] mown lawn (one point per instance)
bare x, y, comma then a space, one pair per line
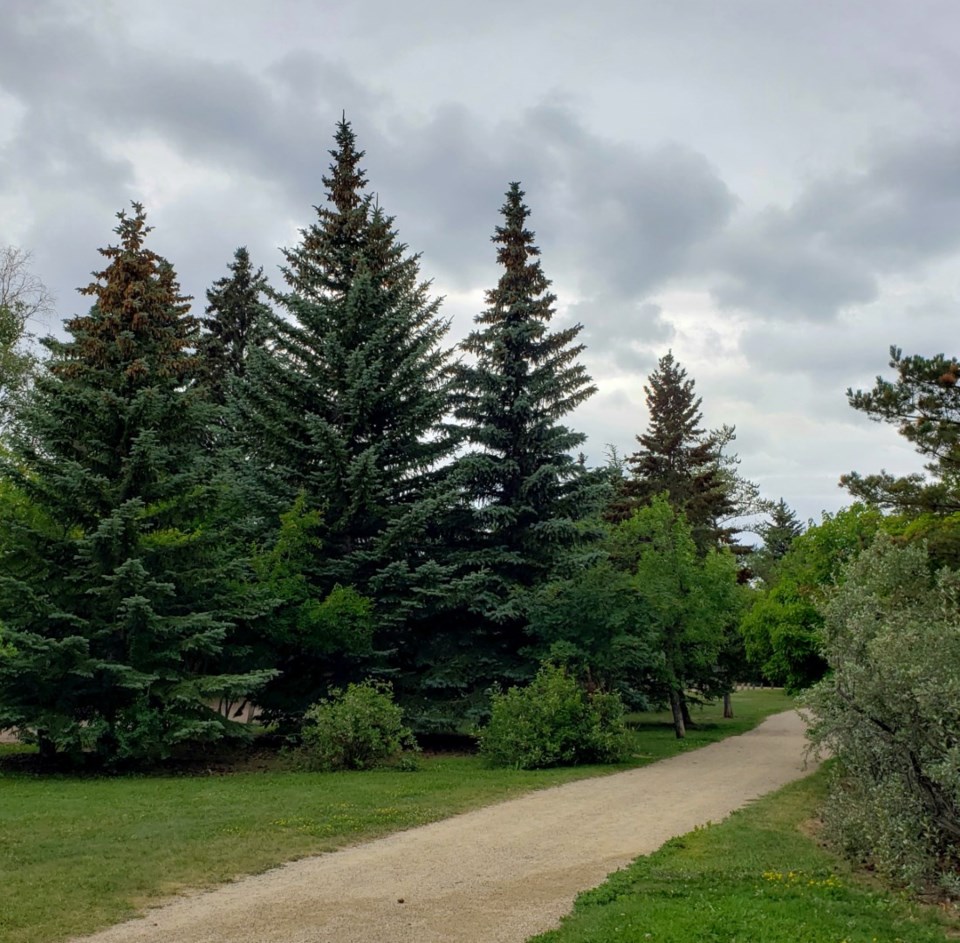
656, 739
758, 877
80, 853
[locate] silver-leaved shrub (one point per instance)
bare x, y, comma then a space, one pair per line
889, 710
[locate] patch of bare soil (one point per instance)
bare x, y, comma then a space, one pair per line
495, 875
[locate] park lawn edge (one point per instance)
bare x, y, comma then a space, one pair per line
759, 876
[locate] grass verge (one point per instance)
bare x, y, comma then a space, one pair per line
82, 853
758, 877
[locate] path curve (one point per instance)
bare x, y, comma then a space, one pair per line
496, 875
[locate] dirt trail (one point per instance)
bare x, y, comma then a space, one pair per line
496, 875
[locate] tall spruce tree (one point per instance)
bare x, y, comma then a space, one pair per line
679, 458
116, 597
523, 487
343, 406
233, 325
524, 479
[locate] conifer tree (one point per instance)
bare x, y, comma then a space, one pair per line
923, 402
116, 597
780, 531
678, 457
233, 325
346, 402
524, 490
524, 477
343, 405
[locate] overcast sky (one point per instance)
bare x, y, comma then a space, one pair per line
770, 188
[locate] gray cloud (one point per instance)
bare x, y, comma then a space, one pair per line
642, 213
827, 251
624, 219
266, 136
629, 336
773, 268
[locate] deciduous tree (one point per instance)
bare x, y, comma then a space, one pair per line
890, 712
23, 301
689, 600
782, 629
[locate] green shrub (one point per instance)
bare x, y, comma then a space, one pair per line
359, 728
553, 722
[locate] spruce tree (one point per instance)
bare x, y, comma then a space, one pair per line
524, 477
780, 531
524, 490
679, 458
116, 597
233, 325
343, 407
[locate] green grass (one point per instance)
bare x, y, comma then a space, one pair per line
758, 877
656, 739
82, 853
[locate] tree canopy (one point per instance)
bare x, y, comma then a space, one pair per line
520, 491
233, 326
342, 408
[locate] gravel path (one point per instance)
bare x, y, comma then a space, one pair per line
499, 874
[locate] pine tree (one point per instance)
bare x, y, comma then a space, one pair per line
923, 402
524, 491
344, 403
679, 458
117, 599
233, 326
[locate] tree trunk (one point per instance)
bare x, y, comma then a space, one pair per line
727, 705
46, 747
676, 706
685, 710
